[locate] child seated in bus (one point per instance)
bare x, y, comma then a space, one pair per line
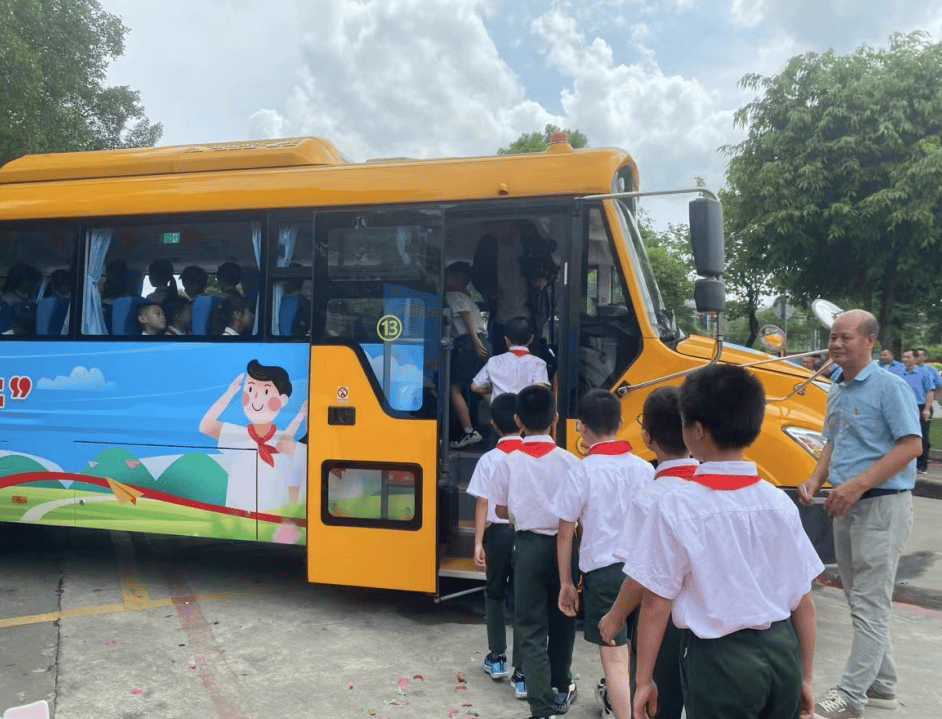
178, 311
493, 545
233, 317
23, 320
194, 280
229, 275
160, 274
726, 533
151, 319
470, 349
597, 494
515, 369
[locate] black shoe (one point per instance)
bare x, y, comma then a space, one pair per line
565, 699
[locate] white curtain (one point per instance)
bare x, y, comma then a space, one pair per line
93, 320
257, 246
287, 237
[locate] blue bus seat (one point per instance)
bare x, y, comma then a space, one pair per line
124, 315
202, 313
288, 314
50, 315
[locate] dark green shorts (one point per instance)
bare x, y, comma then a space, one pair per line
600, 589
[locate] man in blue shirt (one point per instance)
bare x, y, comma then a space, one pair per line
873, 437
925, 407
890, 363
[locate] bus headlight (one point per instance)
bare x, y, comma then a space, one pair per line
811, 440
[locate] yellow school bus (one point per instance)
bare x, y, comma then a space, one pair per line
296, 388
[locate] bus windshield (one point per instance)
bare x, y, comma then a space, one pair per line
661, 319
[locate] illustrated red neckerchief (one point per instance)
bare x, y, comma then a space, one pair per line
509, 444
265, 451
725, 481
684, 471
519, 351
617, 446
536, 449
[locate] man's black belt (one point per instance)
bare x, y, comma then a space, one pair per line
876, 492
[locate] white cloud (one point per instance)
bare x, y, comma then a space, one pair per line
80, 379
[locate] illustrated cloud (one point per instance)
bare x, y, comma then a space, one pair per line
81, 379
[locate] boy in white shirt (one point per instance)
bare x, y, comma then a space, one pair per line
726, 555
598, 492
521, 488
514, 369
151, 319
493, 545
662, 433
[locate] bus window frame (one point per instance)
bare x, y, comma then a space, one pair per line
329, 520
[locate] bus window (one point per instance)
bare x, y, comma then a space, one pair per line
364, 495
609, 336
212, 265
290, 268
37, 282
381, 289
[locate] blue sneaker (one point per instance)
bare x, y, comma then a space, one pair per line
496, 665
519, 684
565, 699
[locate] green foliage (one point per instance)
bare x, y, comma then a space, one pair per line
539, 141
672, 263
54, 56
839, 181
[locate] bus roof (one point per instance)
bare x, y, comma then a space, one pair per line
294, 172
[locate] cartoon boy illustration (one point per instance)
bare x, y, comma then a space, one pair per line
265, 392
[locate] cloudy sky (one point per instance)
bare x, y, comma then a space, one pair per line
427, 78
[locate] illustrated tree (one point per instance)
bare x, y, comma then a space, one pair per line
53, 60
539, 141
839, 181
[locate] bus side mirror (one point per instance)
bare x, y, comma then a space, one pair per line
710, 296
706, 237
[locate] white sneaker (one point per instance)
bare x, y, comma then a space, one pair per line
834, 706
472, 437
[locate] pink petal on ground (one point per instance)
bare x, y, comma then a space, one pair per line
419, 677
400, 702
453, 713
467, 704
135, 690
461, 679
110, 641
459, 687
349, 685
191, 665
402, 683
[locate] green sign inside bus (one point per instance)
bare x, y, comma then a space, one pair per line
171, 238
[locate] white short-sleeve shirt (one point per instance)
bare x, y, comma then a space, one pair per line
729, 559
479, 486
525, 484
460, 302
242, 492
598, 491
509, 372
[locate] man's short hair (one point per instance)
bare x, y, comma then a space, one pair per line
727, 400
922, 350
869, 326
910, 350
270, 373
536, 408
229, 274
600, 411
503, 409
662, 419
518, 330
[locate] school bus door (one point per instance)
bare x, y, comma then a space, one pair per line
373, 419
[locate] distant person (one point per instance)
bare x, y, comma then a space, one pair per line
160, 274
809, 362
595, 497
870, 463
21, 284
60, 283
233, 317
294, 287
151, 319
936, 379
819, 361
471, 346
117, 281
194, 280
229, 275
514, 369
23, 320
890, 363
178, 311
493, 547
922, 385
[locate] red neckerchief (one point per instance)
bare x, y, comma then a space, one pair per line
725, 481
536, 449
265, 451
614, 446
509, 444
519, 351
684, 471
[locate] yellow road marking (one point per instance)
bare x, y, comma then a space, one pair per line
133, 590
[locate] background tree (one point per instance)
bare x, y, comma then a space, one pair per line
672, 264
54, 56
539, 141
840, 177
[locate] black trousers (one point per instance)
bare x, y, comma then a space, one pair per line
923, 462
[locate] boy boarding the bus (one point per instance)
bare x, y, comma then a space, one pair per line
598, 492
726, 534
521, 488
662, 433
514, 369
493, 546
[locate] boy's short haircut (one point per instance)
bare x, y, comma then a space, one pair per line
270, 373
503, 409
661, 417
600, 411
727, 400
143, 309
173, 306
536, 408
161, 270
194, 275
229, 274
518, 330
461, 268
